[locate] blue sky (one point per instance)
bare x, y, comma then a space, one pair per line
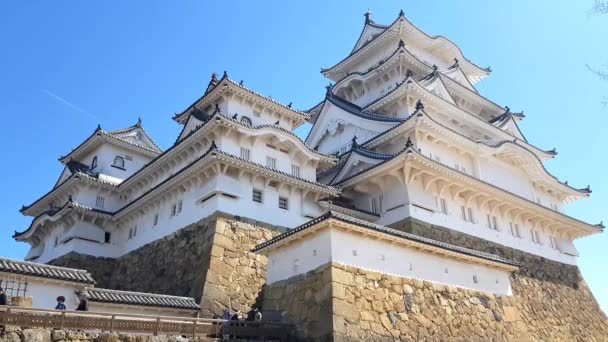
66, 66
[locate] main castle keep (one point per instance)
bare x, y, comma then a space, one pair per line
415, 209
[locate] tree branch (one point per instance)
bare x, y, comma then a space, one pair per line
599, 7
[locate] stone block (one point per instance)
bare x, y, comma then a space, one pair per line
341, 276
344, 309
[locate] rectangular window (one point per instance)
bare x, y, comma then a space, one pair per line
179, 206
155, 219
489, 221
134, 231
99, 202
13, 288
130, 233
444, 206
512, 227
271, 162
257, 196
245, 153
173, 210
517, 233
107, 237
494, 223
283, 203
295, 170
532, 235
463, 212
553, 242
471, 217
376, 204
538, 241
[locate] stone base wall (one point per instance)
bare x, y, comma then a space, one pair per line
360, 305
209, 260
306, 300
17, 334
235, 276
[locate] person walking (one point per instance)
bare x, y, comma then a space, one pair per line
60, 303
3, 300
83, 306
258, 315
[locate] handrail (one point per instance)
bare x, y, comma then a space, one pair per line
134, 323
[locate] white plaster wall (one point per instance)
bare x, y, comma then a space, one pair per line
507, 177
384, 257
44, 293
258, 116
299, 257
381, 256
105, 158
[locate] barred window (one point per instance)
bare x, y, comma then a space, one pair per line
257, 196
271, 162
295, 170
245, 153
173, 210
245, 120
179, 206
99, 202
283, 203
13, 287
155, 219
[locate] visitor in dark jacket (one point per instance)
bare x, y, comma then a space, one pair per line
83, 306
60, 303
3, 300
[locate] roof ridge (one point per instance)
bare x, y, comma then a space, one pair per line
37, 264
147, 294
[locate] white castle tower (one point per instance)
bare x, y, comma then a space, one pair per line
413, 137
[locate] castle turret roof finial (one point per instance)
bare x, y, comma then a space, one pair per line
354, 142
419, 105
328, 89
241, 83
290, 104
368, 16
225, 75
409, 73
401, 43
401, 13
409, 143
139, 122
217, 109
214, 77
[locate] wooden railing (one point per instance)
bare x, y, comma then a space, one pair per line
143, 324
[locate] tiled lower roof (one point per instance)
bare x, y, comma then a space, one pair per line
34, 269
390, 231
139, 298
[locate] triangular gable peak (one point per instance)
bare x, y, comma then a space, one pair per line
456, 74
507, 123
338, 121
436, 48
357, 160
436, 86
133, 138
471, 101
137, 136
227, 88
370, 31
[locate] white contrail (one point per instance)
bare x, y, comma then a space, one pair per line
69, 104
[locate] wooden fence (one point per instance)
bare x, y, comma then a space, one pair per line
142, 324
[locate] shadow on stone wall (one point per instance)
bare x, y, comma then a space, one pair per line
532, 266
210, 261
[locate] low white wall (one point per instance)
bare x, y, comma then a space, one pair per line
44, 292
353, 249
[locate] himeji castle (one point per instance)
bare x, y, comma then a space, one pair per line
407, 171
401, 133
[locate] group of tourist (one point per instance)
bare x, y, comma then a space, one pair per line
82, 306
254, 315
